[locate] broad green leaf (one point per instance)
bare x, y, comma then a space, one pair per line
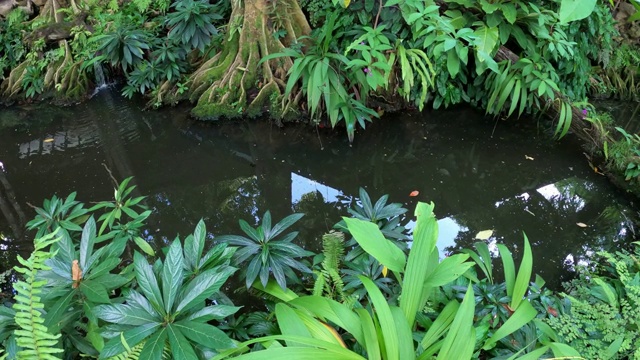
147, 281
275, 290
202, 287
333, 311
180, 346
194, 245
284, 224
111, 281
605, 292
213, 312
172, 275
524, 276
523, 314
440, 326
453, 63
385, 319
425, 236
125, 314
509, 11
132, 337
94, 291
144, 246
320, 351
370, 238
102, 268
509, 268
320, 330
564, 351
290, 324
486, 40
154, 346
205, 334
369, 335
404, 335
533, 355
572, 10
448, 270
54, 313
457, 344
87, 242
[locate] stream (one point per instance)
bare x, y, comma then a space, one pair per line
481, 173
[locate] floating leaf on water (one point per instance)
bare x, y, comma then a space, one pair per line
484, 234
48, 140
582, 225
414, 193
528, 157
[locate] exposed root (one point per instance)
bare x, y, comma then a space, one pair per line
234, 83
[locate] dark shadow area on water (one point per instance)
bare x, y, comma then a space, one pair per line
510, 177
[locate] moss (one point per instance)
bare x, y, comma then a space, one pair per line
214, 111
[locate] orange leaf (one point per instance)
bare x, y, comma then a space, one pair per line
552, 311
414, 193
76, 273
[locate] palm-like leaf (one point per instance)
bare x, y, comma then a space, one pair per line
170, 309
267, 256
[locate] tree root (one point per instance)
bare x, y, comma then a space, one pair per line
234, 82
64, 78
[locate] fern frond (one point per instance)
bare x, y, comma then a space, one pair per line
338, 284
319, 285
131, 354
333, 250
32, 335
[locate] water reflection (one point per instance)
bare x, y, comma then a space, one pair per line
478, 178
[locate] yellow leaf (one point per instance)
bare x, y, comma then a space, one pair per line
346, 3
48, 140
384, 271
484, 235
528, 157
335, 334
582, 225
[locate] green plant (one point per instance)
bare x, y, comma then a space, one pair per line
327, 88
517, 302
267, 255
602, 318
328, 279
191, 23
80, 277
624, 154
56, 212
122, 46
32, 335
386, 216
124, 205
170, 310
382, 329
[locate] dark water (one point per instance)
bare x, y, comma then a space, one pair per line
510, 177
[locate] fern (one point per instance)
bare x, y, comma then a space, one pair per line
134, 353
32, 336
328, 281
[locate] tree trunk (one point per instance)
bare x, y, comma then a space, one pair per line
233, 83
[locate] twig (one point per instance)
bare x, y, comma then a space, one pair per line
115, 182
319, 139
375, 24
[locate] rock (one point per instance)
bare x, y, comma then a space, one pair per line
6, 6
